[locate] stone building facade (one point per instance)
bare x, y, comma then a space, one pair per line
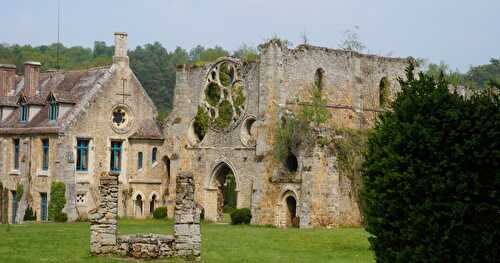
244, 103
72, 126
221, 129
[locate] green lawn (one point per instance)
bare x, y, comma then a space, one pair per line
221, 243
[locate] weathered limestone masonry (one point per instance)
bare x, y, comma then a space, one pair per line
226, 114
72, 126
186, 241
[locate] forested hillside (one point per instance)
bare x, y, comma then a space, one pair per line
154, 65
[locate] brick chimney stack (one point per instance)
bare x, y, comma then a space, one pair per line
31, 77
121, 56
7, 79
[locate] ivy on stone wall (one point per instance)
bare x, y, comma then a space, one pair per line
297, 129
201, 123
19, 191
350, 151
57, 201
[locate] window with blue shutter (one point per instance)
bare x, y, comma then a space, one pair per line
82, 155
43, 206
45, 154
16, 154
116, 156
53, 111
14, 206
24, 113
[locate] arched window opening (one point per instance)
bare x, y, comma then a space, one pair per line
291, 163
384, 92
139, 160
138, 206
154, 155
291, 204
319, 78
152, 205
225, 183
166, 162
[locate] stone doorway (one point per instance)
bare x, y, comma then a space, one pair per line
223, 195
289, 211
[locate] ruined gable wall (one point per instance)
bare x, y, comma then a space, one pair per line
202, 157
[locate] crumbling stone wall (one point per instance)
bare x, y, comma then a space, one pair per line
276, 85
186, 241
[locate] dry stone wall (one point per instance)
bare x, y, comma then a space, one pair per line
185, 243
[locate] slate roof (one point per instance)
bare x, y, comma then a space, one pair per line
65, 86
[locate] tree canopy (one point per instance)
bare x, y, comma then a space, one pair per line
431, 178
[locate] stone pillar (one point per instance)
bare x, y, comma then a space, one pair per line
103, 219
187, 219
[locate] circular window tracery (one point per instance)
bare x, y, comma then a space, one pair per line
224, 101
121, 118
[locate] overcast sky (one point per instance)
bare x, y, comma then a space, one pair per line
459, 32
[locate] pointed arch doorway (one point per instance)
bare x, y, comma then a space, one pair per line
222, 192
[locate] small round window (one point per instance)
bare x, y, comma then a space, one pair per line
120, 118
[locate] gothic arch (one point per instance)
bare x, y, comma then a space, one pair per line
209, 181
134, 196
154, 193
221, 190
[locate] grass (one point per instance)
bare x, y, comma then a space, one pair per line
221, 243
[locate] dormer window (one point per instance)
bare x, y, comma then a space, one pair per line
24, 113
53, 111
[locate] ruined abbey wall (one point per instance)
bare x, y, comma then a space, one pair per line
316, 194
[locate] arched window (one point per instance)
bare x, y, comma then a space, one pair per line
154, 155
138, 205
139, 160
291, 163
319, 76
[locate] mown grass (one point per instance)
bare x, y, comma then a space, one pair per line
221, 243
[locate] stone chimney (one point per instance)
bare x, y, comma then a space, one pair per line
31, 77
7, 79
120, 56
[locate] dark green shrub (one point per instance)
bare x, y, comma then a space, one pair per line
61, 218
160, 213
57, 201
431, 178
241, 216
29, 215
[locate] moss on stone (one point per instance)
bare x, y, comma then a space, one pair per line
212, 93
238, 96
201, 123
225, 115
225, 75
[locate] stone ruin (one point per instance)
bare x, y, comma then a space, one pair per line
185, 243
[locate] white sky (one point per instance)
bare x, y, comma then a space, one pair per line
459, 32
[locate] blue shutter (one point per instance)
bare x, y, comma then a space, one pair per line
43, 206
45, 158
116, 150
14, 206
82, 154
16, 154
